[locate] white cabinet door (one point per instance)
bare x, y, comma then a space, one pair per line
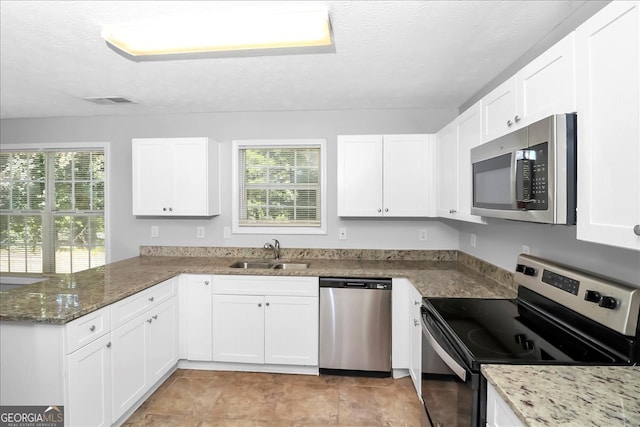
360, 175
500, 109
386, 175
608, 60
543, 87
447, 171
469, 125
547, 84
89, 384
400, 344
175, 177
238, 328
408, 175
152, 177
199, 317
454, 165
162, 340
499, 414
129, 363
291, 330
415, 327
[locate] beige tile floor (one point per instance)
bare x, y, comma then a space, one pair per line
213, 398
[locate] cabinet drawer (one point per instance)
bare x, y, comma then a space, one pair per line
266, 285
129, 308
87, 328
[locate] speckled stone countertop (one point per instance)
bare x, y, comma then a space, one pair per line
63, 298
546, 396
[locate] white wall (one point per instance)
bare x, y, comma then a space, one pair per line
127, 233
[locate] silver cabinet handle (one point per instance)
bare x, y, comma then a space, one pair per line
170, 209
259, 304
267, 304
386, 209
151, 299
452, 211
206, 283
155, 316
164, 209
379, 210
109, 344
92, 328
415, 322
509, 123
517, 118
636, 229
416, 303
149, 320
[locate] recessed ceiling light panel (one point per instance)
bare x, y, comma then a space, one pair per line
229, 33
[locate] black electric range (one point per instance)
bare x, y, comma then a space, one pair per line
561, 316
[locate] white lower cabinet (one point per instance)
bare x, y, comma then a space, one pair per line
406, 335
265, 320
89, 384
196, 317
499, 414
415, 338
144, 348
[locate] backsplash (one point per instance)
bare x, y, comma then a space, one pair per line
302, 253
500, 275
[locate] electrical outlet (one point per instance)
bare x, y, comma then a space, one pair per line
526, 249
200, 232
342, 233
473, 240
154, 231
422, 234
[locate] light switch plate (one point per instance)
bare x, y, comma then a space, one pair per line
342, 233
154, 231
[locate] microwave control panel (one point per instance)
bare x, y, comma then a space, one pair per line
532, 177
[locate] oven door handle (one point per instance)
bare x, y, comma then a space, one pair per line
458, 369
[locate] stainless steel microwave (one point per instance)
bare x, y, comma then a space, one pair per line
528, 174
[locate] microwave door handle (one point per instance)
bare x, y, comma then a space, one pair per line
459, 370
513, 182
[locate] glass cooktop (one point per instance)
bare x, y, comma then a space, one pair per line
506, 331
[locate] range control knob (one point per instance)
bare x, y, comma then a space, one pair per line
593, 296
520, 268
608, 302
529, 271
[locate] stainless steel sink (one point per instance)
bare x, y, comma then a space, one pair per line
291, 266
270, 265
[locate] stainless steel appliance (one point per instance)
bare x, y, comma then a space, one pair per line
561, 316
355, 325
528, 174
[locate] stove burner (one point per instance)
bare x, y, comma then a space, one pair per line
460, 307
501, 342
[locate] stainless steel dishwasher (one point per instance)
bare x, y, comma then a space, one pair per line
355, 325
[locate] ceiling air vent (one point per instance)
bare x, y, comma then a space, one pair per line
109, 100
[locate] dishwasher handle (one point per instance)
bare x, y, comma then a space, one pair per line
356, 285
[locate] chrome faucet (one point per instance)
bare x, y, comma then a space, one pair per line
275, 247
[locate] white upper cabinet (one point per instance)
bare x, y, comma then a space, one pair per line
455, 142
175, 177
386, 175
608, 90
543, 87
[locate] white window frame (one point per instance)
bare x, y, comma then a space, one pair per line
238, 145
79, 146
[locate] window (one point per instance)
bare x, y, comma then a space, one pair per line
52, 210
279, 186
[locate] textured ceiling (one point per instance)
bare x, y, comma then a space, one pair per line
389, 54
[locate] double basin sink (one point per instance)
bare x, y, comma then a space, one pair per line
274, 265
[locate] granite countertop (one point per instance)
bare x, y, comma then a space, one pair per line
62, 298
546, 396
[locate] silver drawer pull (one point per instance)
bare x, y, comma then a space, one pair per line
149, 320
151, 299
109, 344
155, 316
92, 328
